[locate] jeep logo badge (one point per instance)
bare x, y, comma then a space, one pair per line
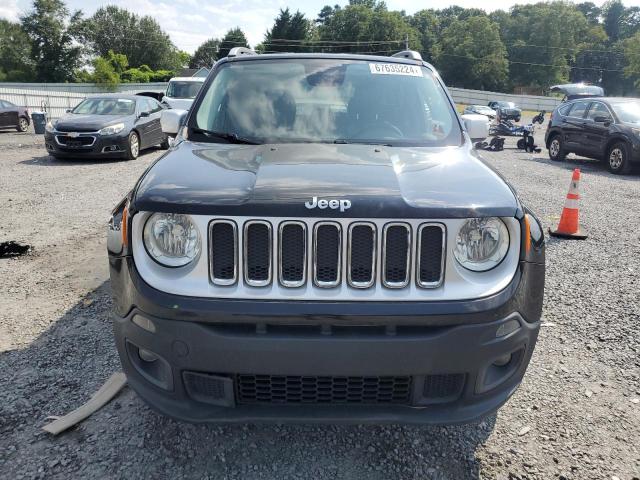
333, 204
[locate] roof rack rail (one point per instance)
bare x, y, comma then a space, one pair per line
410, 54
237, 51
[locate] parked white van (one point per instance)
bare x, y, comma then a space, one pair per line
181, 91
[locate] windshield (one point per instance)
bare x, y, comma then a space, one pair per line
184, 89
628, 112
507, 104
326, 100
106, 106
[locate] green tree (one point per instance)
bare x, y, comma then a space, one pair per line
632, 58
288, 32
105, 75
368, 29
426, 23
233, 38
206, 54
470, 54
140, 38
15, 53
590, 11
52, 31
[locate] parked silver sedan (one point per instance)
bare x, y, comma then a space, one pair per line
480, 110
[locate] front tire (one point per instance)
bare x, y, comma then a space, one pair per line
23, 125
556, 149
133, 146
165, 143
618, 159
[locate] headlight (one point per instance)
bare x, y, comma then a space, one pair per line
49, 127
171, 239
112, 129
481, 243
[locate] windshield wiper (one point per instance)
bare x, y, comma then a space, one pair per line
229, 137
344, 141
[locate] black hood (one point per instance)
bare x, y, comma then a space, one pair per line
88, 123
277, 180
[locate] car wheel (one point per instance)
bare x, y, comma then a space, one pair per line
23, 124
133, 146
165, 144
618, 158
556, 149
517, 119
521, 144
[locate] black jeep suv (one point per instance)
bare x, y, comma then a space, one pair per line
322, 243
601, 128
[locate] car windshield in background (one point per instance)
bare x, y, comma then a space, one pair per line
325, 100
507, 104
183, 89
106, 106
628, 112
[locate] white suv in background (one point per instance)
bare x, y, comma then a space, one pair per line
181, 91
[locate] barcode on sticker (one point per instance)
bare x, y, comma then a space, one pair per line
395, 69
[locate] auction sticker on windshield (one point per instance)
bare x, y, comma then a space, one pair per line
395, 69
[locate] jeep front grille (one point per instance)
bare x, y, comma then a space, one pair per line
359, 254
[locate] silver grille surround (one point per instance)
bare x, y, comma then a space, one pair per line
223, 282
350, 281
325, 284
194, 279
437, 283
385, 231
290, 283
247, 279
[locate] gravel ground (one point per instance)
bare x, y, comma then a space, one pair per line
576, 415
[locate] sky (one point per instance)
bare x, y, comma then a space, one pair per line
191, 22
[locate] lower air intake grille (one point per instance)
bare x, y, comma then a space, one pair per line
443, 388
209, 388
275, 389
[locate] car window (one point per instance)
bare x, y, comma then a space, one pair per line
328, 100
564, 109
145, 105
2, 104
598, 110
155, 106
578, 109
105, 106
183, 89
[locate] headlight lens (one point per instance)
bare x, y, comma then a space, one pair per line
171, 239
112, 129
49, 127
481, 243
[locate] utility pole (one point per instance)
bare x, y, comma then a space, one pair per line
406, 41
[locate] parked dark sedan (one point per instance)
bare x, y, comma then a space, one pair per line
601, 128
507, 110
107, 126
13, 116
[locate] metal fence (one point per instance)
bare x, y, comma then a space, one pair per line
57, 98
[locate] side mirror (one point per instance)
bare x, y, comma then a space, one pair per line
144, 114
68, 110
477, 126
602, 119
171, 120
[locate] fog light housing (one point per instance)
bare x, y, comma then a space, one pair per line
147, 356
500, 362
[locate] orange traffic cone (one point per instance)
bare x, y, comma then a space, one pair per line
569, 226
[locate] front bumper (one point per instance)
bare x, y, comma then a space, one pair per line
455, 344
86, 145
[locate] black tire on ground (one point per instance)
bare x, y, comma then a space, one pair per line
23, 124
556, 149
618, 158
133, 146
521, 144
165, 143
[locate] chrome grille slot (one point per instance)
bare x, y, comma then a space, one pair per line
292, 254
396, 255
223, 257
431, 244
361, 264
327, 254
257, 253
310, 254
